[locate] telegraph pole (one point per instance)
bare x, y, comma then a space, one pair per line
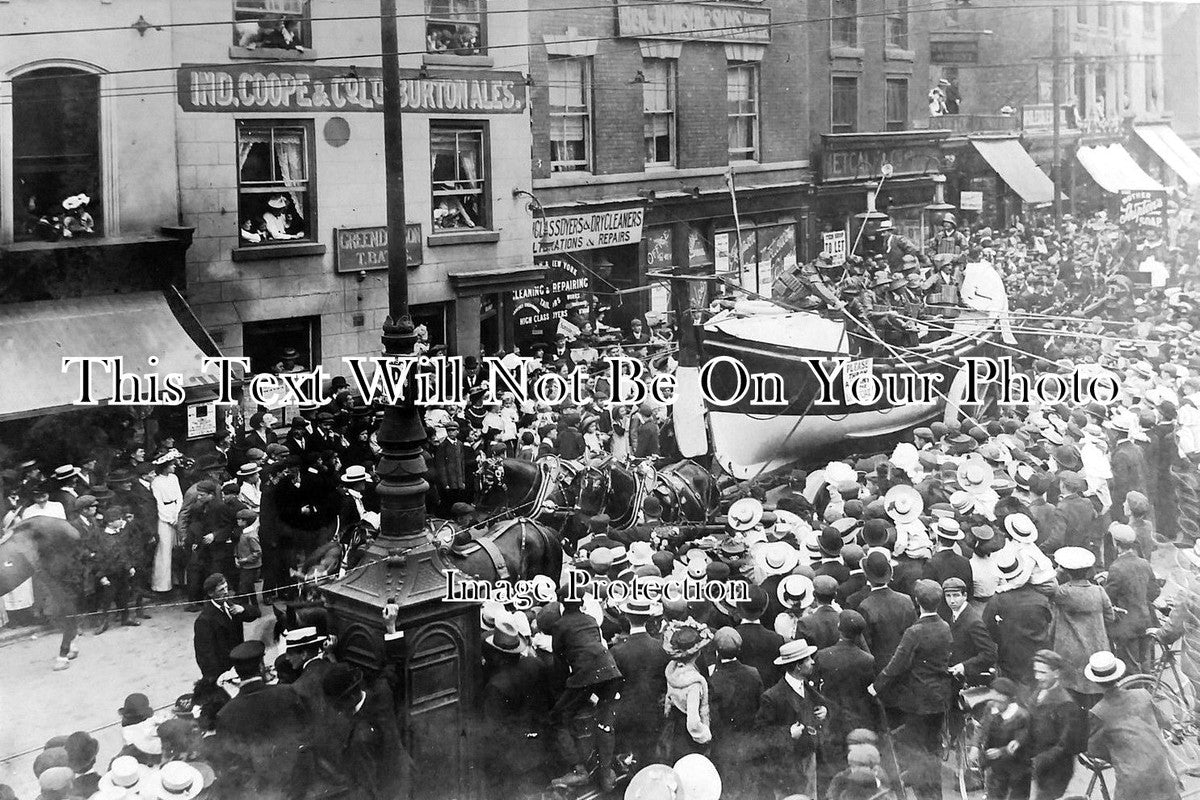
401, 469
1056, 101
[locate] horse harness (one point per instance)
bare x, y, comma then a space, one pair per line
487, 543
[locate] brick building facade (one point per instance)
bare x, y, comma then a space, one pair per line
636, 121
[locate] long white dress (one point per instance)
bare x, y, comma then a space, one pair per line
169, 498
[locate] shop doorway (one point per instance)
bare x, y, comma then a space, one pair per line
491, 324
265, 342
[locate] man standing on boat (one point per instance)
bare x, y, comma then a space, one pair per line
949, 240
894, 247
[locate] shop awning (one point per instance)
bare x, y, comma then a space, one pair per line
35, 337
479, 281
1017, 169
1115, 170
1174, 152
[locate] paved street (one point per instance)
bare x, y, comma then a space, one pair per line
37, 703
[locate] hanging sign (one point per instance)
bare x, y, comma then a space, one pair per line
308, 87
366, 249
539, 310
970, 201
1137, 206
834, 243
201, 420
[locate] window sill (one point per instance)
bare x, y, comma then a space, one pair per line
451, 60
272, 53
893, 53
269, 251
80, 242
841, 51
462, 237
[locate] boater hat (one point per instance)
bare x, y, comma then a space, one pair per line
1104, 667
794, 651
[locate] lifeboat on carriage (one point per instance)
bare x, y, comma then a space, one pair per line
759, 432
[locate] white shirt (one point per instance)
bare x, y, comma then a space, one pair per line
168, 496
797, 684
50, 509
251, 495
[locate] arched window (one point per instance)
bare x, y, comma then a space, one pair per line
56, 154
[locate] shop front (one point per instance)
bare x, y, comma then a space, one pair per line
591, 270
1166, 157
892, 172
1117, 185
995, 180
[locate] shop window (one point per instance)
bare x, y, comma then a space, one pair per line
897, 104
459, 180
897, 23
843, 22
433, 317
764, 253
658, 105
455, 27
275, 191
491, 325
1151, 71
271, 25
56, 168
265, 343
741, 82
844, 106
570, 114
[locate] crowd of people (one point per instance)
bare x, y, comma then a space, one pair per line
1008, 553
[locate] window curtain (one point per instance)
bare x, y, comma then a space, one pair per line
246, 142
289, 160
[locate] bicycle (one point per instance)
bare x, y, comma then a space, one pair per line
1173, 697
1097, 768
971, 700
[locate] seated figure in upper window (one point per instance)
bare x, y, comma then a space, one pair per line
271, 31
278, 219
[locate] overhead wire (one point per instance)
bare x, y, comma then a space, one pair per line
170, 89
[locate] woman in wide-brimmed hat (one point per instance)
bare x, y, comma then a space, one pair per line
686, 704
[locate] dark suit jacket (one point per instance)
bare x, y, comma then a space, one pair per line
1079, 515
779, 759
1057, 731
760, 648
215, 633
1019, 623
1131, 585
643, 664
845, 671
948, 564
1051, 525
373, 756
888, 614
972, 647
835, 569
577, 643
819, 627
916, 678
734, 689
855, 583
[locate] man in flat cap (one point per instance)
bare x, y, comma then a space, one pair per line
917, 682
733, 692
1057, 728
1132, 586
